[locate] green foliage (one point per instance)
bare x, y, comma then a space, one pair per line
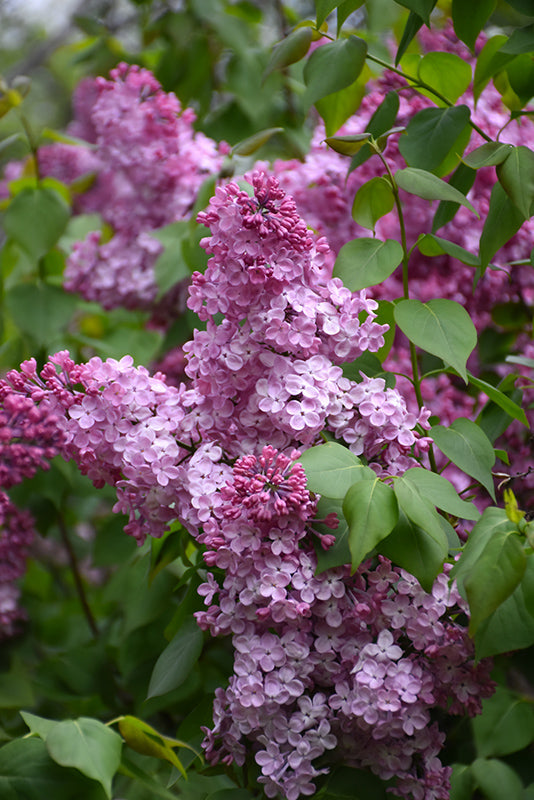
435, 139
467, 446
441, 327
371, 511
366, 262
177, 660
333, 67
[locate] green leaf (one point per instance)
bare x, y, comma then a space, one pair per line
373, 200
332, 469
51, 310
521, 41
431, 245
177, 660
495, 575
145, 739
520, 77
419, 509
344, 10
382, 120
144, 779
462, 179
413, 24
439, 491
467, 446
449, 74
499, 398
523, 6
289, 50
488, 155
492, 521
426, 185
333, 67
251, 144
231, 794
41, 726
170, 266
336, 108
323, 8
441, 327
489, 62
496, 779
505, 725
511, 626
420, 7
47, 214
410, 547
89, 746
433, 134
371, 511
366, 262
348, 145
469, 19
516, 176
503, 221
28, 773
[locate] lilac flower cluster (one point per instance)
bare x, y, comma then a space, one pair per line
147, 163
326, 661
273, 364
29, 438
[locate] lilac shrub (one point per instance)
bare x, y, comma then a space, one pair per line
328, 667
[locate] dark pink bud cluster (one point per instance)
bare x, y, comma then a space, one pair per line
269, 485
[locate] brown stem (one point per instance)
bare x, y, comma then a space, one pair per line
73, 561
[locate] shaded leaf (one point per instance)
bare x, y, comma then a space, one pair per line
289, 50
177, 660
333, 67
382, 120
432, 134
253, 143
89, 746
494, 576
420, 7
467, 446
410, 547
462, 179
516, 175
505, 725
47, 213
502, 222
469, 18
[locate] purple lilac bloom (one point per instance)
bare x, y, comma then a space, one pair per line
355, 663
